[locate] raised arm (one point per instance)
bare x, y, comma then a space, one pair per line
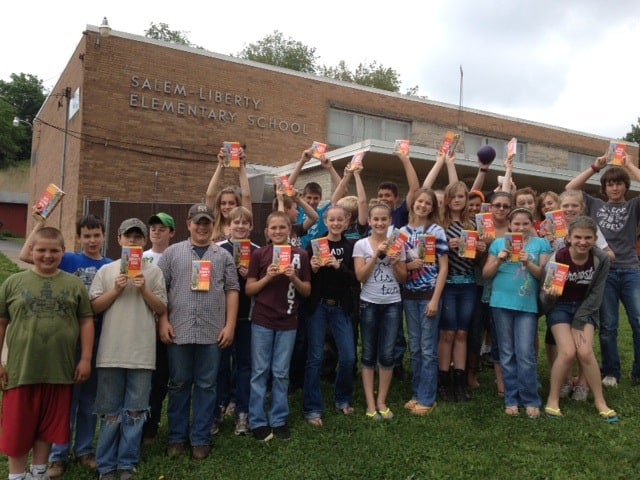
579, 182
412, 177
214, 183
312, 215
25, 251
434, 172
508, 174
341, 187
633, 170
450, 161
243, 179
327, 164
304, 158
363, 206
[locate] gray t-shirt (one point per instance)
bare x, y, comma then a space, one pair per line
618, 223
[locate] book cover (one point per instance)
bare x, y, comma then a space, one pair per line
396, 241
556, 223
131, 261
402, 146
231, 154
283, 181
485, 225
321, 249
449, 143
201, 275
515, 242
282, 256
356, 161
556, 275
485, 207
48, 200
242, 252
468, 244
617, 152
318, 150
512, 147
427, 248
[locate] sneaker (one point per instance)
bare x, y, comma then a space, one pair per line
215, 428
565, 390
282, 432
127, 474
56, 469
610, 381
263, 434
108, 476
88, 461
580, 393
36, 476
242, 424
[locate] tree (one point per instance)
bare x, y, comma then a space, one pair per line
634, 134
161, 31
276, 50
22, 97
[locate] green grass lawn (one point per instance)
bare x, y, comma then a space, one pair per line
474, 440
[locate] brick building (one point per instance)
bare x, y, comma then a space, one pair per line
138, 120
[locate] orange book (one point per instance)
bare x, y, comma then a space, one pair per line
468, 245
512, 147
449, 143
318, 150
356, 161
617, 152
283, 181
427, 248
321, 249
282, 256
557, 223
556, 275
242, 252
131, 261
201, 275
396, 241
48, 200
515, 243
485, 225
402, 146
231, 154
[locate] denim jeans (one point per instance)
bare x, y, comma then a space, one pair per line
623, 285
121, 393
193, 369
516, 332
271, 352
458, 306
423, 345
340, 324
379, 323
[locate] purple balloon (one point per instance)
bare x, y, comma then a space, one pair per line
486, 154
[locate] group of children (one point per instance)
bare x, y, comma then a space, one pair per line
229, 342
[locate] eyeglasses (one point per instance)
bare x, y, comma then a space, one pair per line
501, 206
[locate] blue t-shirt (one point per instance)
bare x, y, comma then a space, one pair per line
514, 288
317, 230
81, 266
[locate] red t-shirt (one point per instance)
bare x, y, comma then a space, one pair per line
276, 305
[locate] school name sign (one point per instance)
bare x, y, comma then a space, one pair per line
165, 96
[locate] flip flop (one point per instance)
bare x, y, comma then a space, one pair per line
553, 413
609, 416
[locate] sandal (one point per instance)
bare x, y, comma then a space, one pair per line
411, 404
422, 410
533, 412
512, 411
386, 414
609, 416
372, 415
346, 410
553, 413
315, 421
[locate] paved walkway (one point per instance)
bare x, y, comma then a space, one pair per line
12, 251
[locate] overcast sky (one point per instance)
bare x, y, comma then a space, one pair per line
568, 63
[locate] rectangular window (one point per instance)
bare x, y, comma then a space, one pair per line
472, 144
579, 162
346, 128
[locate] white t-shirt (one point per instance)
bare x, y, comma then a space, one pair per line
381, 287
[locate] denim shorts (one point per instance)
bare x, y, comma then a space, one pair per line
563, 312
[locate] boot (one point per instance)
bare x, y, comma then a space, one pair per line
445, 389
460, 386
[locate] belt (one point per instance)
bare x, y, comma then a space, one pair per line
330, 302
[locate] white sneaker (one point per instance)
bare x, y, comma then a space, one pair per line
565, 390
242, 424
580, 393
610, 381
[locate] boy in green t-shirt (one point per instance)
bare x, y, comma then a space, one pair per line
48, 311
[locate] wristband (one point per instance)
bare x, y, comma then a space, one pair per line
484, 169
595, 169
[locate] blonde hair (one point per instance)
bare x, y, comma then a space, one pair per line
350, 204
